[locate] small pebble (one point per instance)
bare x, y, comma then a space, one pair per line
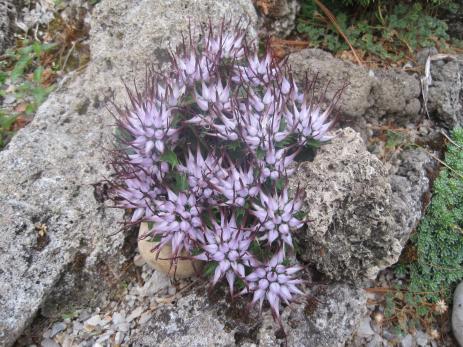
57, 328
365, 329
118, 338
123, 327
135, 314
49, 343
145, 317
421, 338
407, 341
138, 260
118, 318
172, 290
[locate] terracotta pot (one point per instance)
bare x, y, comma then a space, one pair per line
185, 268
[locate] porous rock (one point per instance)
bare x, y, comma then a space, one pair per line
7, 16
409, 182
361, 213
196, 320
367, 93
278, 17
457, 314
352, 233
372, 94
446, 92
52, 219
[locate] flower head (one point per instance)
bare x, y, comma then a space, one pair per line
177, 221
277, 216
273, 282
228, 245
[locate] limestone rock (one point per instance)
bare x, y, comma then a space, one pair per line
409, 182
7, 15
374, 94
351, 235
457, 314
196, 320
445, 96
278, 18
53, 223
369, 93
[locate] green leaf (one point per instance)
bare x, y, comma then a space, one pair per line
170, 157
210, 267
260, 153
181, 182
38, 74
6, 121
280, 184
3, 76
20, 66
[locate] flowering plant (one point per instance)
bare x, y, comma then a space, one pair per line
204, 154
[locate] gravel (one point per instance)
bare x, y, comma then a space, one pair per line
113, 325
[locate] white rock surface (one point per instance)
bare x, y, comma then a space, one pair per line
457, 314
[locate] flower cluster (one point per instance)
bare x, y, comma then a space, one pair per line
204, 154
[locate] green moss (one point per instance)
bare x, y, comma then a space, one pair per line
384, 30
439, 240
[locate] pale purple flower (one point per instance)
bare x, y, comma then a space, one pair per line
309, 121
177, 221
228, 44
151, 127
193, 66
276, 163
202, 174
257, 71
273, 282
213, 93
237, 185
277, 216
227, 244
171, 91
247, 119
260, 129
138, 193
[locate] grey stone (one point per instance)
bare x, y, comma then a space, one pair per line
196, 320
457, 314
157, 282
365, 329
7, 16
421, 338
423, 54
145, 317
53, 223
118, 338
367, 95
123, 327
371, 96
351, 235
445, 92
49, 343
135, 314
407, 341
409, 182
280, 20
362, 213
57, 328
118, 318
